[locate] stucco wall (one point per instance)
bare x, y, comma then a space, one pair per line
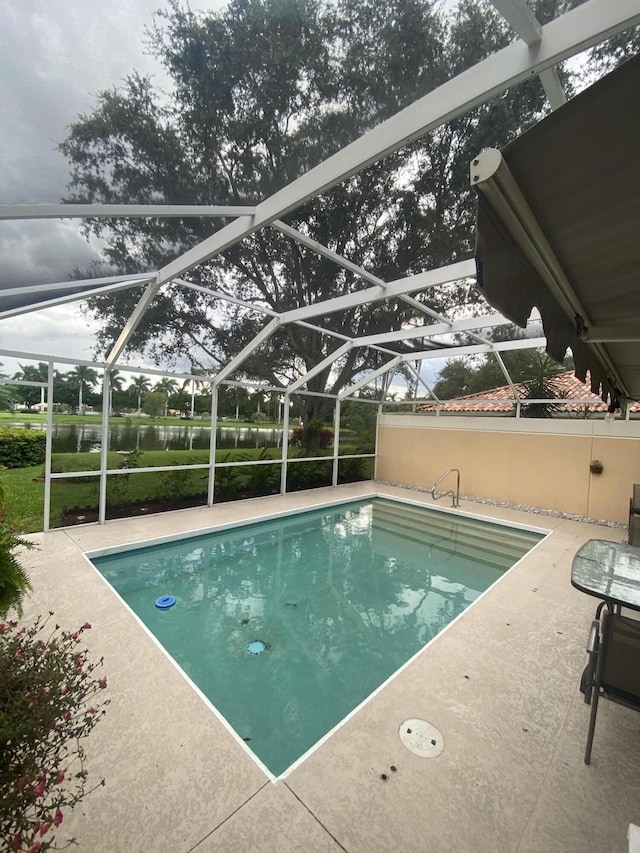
539, 463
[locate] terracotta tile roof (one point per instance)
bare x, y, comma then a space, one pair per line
488, 401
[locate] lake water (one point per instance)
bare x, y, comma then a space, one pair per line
83, 438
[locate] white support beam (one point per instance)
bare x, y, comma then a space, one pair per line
435, 329
244, 354
563, 37
65, 300
111, 211
428, 388
269, 312
301, 238
132, 323
82, 282
475, 349
35, 356
507, 375
421, 281
520, 17
390, 365
552, 87
320, 366
424, 309
225, 297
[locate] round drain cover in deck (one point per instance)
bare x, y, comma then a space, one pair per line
421, 738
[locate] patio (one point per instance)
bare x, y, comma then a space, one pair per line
501, 685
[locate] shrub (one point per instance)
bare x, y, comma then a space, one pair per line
20, 448
48, 704
312, 437
13, 578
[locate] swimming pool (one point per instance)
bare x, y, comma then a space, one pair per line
287, 625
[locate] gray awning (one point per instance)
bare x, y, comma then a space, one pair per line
558, 227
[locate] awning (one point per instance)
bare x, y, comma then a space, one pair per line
558, 227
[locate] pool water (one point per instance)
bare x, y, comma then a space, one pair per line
287, 625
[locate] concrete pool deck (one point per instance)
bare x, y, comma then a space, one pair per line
500, 684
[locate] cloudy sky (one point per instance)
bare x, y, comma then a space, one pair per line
56, 56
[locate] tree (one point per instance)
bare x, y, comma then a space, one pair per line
540, 385
32, 373
532, 368
166, 387
82, 378
262, 91
116, 381
140, 385
154, 404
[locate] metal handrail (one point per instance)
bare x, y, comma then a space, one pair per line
455, 496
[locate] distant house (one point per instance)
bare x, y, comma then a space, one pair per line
575, 398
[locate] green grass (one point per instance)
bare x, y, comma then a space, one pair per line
25, 499
26, 496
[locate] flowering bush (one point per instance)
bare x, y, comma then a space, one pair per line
314, 436
49, 701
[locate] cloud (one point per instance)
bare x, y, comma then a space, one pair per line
47, 332
56, 57
43, 251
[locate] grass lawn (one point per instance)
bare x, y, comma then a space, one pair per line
25, 486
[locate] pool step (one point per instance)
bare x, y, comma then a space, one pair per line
490, 543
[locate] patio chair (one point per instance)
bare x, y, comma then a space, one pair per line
613, 669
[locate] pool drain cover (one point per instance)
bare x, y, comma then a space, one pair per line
256, 647
421, 738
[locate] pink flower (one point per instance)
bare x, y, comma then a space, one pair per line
102, 682
67, 716
45, 828
60, 777
40, 787
59, 817
35, 847
87, 625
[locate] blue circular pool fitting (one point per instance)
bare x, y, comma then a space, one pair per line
256, 647
165, 601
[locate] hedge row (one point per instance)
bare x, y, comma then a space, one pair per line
20, 448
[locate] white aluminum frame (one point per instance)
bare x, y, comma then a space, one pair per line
536, 50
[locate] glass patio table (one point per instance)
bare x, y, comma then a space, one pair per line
608, 570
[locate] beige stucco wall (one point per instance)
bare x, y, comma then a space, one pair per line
538, 463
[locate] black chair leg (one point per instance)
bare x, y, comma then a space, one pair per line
592, 724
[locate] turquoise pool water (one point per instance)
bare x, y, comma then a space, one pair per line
287, 625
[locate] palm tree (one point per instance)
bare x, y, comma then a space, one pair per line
191, 385
539, 380
140, 384
167, 387
33, 373
82, 377
115, 384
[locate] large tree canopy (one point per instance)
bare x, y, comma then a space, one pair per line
262, 91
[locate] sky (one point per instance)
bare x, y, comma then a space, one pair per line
56, 56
